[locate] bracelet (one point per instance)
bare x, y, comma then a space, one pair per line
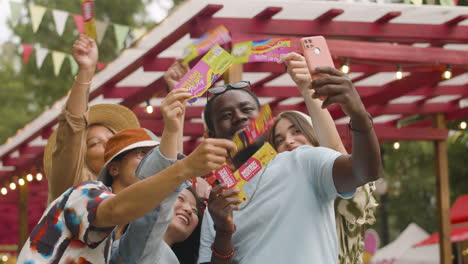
217, 254
350, 126
82, 83
225, 232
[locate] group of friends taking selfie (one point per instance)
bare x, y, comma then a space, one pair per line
120, 194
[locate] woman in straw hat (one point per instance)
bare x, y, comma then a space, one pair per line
75, 151
293, 129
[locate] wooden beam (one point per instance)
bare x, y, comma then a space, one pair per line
23, 233
443, 193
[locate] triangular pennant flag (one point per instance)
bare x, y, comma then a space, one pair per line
101, 28
79, 23
15, 8
37, 13
101, 65
121, 32
73, 65
138, 33
27, 50
57, 58
41, 54
60, 19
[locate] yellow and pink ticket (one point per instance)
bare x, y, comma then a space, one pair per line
217, 36
205, 72
269, 50
87, 11
247, 171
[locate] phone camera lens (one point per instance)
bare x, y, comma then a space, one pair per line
316, 50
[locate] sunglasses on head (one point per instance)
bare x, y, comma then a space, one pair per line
224, 88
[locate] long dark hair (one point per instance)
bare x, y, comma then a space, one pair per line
299, 122
187, 250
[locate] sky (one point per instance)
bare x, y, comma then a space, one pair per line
157, 9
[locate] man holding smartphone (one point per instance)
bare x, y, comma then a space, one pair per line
289, 214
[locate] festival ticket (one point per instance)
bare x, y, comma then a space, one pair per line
269, 50
255, 129
206, 72
247, 171
217, 36
87, 11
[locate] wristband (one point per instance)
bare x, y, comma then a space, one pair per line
350, 126
82, 83
217, 254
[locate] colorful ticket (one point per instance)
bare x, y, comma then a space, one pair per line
87, 11
247, 171
206, 72
269, 50
255, 129
217, 36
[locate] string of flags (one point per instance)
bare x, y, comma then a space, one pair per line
58, 57
37, 12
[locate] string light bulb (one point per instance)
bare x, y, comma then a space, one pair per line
447, 73
13, 186
463, 125
399, 73
345, 67
149, 108
396, 145
39, 176
4, 191
29, 177
21, 182
4, 258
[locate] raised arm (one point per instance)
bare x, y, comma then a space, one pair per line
140, 198
66, 168
172, 76
173, 110
322, 121
364, 165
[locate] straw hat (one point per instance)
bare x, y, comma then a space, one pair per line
121, 142
114, 116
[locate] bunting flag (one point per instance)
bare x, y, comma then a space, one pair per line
101, 28
27, 50
37, 13
79, 23
138, 33
73, 65
60, 19
57, 58
121, 33
101, 65
448, 2
41, 54
15, 8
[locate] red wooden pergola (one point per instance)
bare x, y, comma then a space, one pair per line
373, 39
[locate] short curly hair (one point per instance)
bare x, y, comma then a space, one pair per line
208, 108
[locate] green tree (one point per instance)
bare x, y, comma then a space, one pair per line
410, 172
28, 92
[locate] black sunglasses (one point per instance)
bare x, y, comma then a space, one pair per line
224, 88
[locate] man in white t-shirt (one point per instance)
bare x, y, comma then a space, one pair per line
289, 215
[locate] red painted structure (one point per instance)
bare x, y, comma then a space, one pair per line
365, 44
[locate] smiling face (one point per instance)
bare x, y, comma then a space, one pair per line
231, 111
96, 140
288, 137
185, 217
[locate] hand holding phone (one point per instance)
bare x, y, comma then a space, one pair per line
317, 54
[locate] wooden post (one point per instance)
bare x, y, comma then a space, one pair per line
23, 214
233, 74
443, 194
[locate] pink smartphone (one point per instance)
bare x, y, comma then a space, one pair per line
317, 54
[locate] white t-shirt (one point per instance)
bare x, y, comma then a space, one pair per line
289, 217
